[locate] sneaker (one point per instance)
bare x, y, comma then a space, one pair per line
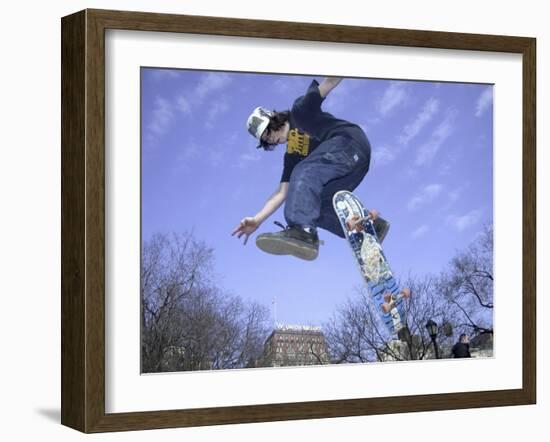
381, 227
294, 240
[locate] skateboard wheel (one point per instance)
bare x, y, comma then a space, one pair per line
350, 222
386, 308
387, 297
406, 292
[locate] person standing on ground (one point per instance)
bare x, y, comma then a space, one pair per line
462, 348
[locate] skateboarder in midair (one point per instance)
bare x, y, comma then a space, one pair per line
324, 154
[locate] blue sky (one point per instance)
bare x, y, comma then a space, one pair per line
431, 176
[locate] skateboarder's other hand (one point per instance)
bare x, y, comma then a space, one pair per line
246, 227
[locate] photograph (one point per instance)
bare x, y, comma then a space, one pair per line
268, 220
303, 220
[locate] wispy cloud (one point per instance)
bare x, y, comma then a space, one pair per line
163, 74
289, 85
211, 82
248, 158
342, 97
185, 155
420, 232
394, 96
424, 196
428, 150
462, 222
161, 116
382, 155
217, 108
484, 101
183, 104
451, 197
166, 110
223, 147
412, 129
190, 150
454, 195
372, 121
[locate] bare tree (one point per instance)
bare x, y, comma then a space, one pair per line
468, 285
459, 299
426, 304
171, 269
187, 322
357, 334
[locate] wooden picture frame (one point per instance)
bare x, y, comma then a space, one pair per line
83, 219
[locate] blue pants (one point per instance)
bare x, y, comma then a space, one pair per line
339, 163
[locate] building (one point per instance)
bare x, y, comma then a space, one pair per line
294, 345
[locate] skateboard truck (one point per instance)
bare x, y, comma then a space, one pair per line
390, 300
381, 226
356, 220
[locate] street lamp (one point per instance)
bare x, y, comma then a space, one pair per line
431, 326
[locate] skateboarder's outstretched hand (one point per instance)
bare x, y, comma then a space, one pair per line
246, 227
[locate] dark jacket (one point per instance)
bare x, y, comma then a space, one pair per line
461, 350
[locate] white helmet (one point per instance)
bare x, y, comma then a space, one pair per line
258, 122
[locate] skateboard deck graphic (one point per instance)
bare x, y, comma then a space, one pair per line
375, 269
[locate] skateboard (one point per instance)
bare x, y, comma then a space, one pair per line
357, 223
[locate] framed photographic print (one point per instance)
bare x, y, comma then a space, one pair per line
185, 137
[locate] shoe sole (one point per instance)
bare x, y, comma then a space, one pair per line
383, 229
276, 246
